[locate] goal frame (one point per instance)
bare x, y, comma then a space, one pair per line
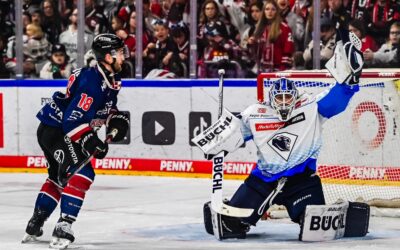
369, 77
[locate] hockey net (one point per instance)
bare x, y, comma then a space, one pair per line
359, 160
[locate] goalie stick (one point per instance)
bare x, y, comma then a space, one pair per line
217, 204
109, 137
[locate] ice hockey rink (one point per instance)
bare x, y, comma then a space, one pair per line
142, 212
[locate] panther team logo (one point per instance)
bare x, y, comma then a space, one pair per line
283, 144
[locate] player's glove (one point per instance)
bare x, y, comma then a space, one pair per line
355, 58
356, 62
92, 145
120, 122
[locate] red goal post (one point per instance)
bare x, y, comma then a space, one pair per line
359, 158
368, 76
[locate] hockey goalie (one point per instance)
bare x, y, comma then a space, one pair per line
287, 132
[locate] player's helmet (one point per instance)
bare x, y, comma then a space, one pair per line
283, 95
106, 44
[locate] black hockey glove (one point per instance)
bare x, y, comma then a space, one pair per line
120, 122
93, 145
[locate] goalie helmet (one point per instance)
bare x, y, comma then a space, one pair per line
283, 95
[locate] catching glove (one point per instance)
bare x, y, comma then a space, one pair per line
92, 145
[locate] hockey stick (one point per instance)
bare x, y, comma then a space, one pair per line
109, 137
217, 204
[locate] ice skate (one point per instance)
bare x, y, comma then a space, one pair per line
34, 228
63, 235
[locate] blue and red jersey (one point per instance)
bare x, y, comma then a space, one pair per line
88, 101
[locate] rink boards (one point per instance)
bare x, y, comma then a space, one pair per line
165, 115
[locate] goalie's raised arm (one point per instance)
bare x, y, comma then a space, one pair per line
347, 61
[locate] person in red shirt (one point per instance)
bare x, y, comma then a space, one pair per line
272, 40
357, 27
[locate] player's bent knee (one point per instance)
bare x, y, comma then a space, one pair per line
311, 194
251, 194
80, 183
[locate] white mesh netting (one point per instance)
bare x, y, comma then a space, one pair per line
359, 158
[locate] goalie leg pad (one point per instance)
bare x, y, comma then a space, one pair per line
321, 223
329, 222
228, 227
357, 219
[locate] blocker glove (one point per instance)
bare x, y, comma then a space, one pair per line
93, 145
120, 122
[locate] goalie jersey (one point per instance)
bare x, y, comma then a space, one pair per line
288, 148
87, 103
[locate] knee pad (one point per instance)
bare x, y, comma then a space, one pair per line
251, 194
80, 182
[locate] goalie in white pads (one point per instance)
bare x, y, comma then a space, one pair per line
287, 132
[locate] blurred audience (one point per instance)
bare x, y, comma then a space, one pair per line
51, 21
220, 52
245, 37
357, 27
294, 21
160, 54
69, 38
58, 66
327, 45
4, 73
272, 40
388, 53
35, 51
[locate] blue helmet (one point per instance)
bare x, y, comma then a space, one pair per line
283, 95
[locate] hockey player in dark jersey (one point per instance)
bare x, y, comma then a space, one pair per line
67, 135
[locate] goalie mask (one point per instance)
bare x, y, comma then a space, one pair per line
283, 95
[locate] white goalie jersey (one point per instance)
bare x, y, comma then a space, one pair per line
287, 148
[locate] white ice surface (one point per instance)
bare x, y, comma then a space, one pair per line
127, 212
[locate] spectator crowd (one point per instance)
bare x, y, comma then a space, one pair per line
245, 37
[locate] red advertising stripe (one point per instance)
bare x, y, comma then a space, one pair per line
359, 173
188, 168
1, 122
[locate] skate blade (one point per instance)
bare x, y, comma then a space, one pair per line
57, 243
28, 238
